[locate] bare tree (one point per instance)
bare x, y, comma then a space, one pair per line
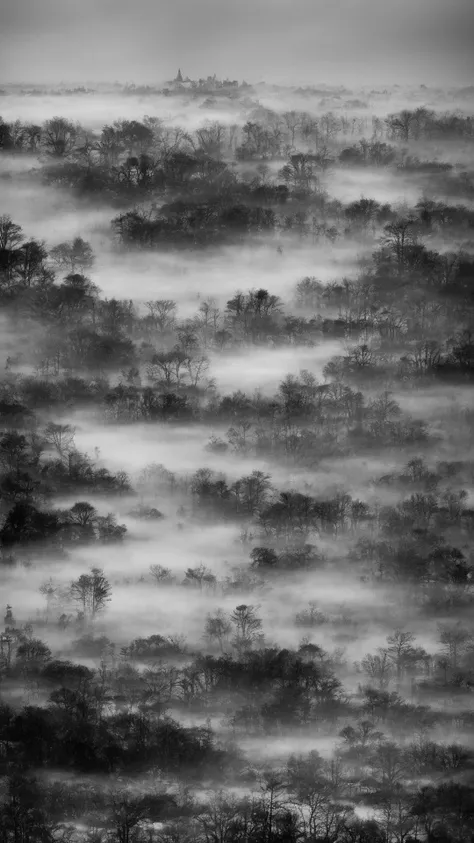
60, 437
399, 236
161, 575
59, 136
401, 651
83, 514
378, 667
218, 627
73, 255
454, 638
11, 234
247, 626
162, 312
92, 592
200, 576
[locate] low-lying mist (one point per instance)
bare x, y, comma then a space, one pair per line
236, 464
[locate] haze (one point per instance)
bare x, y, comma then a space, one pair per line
348, 42
236, 422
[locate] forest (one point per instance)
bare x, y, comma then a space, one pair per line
236, 464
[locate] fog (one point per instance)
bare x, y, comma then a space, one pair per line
349, 187
188, 282
233, 372
355, 43
96, 109
236, 454
52, 215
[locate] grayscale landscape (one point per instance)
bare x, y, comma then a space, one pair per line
236, 422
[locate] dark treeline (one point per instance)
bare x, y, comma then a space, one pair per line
138, 161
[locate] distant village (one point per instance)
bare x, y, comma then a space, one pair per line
211, 86
212, 83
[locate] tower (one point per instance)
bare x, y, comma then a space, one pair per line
179, 78
9, 619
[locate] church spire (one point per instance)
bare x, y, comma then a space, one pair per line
9, 619
179, 78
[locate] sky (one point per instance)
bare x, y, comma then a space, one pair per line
366, 42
